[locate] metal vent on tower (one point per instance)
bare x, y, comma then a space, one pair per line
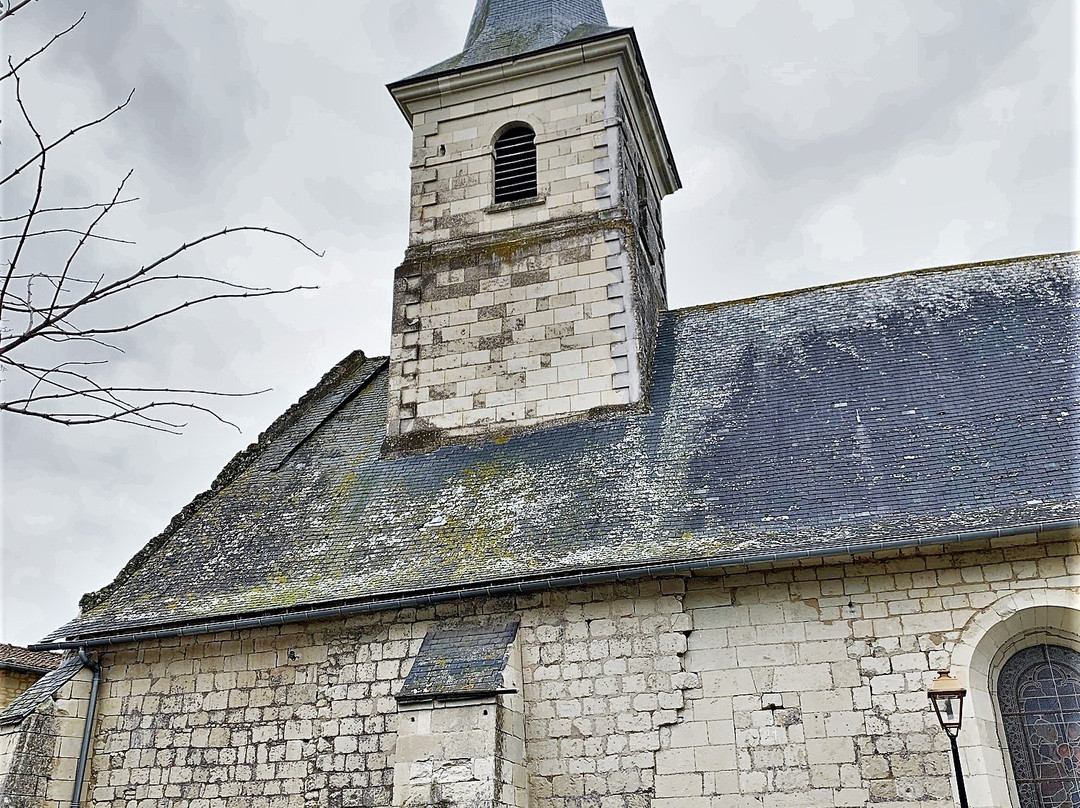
515, 165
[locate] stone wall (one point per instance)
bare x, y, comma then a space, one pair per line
813, 679
453, 146
757, 687
304, 716
524, 312
13, 683
512, 332
38, 757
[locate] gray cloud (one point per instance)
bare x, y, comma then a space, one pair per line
188, 114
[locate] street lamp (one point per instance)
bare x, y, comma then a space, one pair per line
948, 699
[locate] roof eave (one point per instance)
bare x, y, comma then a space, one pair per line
17, 668
426, 78
252, 620
619, 42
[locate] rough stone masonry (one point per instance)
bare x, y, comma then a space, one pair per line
513, 314
764, 687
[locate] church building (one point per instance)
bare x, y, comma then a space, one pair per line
566, 548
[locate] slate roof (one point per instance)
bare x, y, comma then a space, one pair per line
459, 662
41, 691
16, 658
504, 29
890, 410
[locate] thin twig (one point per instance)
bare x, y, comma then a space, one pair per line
73, 132
187, 304
109, 289
67, 209
37, 193
40, 50
4, 15
86, 237
61, 230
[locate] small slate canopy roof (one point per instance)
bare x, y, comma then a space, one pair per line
880, 413
460, 661
41, 691
23, 660
504, 29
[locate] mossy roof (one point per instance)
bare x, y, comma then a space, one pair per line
918, 405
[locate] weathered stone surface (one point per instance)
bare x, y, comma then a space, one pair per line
516, 314
782, 685
38, 755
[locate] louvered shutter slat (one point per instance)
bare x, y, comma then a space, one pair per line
515, 165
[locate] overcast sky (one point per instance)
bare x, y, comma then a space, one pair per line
818, 141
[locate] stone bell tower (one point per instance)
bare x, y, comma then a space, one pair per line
534, 277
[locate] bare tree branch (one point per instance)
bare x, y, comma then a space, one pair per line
113, 397
12, 9
70, 134
58, 230
61, 321
67, 209
82, 242
40, 50
101, 293
37, 193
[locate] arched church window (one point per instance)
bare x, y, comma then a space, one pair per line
515, 164
1039, 696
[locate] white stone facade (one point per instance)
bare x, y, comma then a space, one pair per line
523, 312
764, 687
466, 751
39, 756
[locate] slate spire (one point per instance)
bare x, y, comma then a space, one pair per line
503, 29
535, 23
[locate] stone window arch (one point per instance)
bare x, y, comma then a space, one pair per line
515, 164
1038, 695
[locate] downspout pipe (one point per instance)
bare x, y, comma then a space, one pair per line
602, 576
88, 727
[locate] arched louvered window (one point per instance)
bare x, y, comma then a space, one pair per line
1039, 695
515, 164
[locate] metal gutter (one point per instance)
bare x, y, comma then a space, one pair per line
88, 727
602, 576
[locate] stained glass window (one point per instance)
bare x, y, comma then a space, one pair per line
1039, 694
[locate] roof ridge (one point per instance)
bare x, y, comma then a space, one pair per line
240, 462
872, 279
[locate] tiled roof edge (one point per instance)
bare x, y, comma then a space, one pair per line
239, 463
23, 660
1074, 254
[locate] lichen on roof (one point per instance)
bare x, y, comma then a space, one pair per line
912, 406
